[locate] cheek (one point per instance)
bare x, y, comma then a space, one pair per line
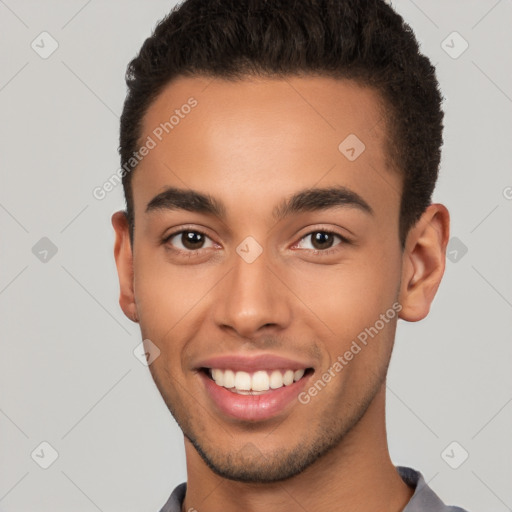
171, 303
349, 297
164, 293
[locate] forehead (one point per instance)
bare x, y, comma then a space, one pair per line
263, 138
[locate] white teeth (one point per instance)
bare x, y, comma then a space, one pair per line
218, 376
242, 381
276, 379
229, 379
288, 377
298, 374
257, 383
260, 381
251, 392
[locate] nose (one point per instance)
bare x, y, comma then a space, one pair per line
252, 299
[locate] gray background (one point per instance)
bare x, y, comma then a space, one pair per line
68, 375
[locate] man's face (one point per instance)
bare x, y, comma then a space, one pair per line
255, 282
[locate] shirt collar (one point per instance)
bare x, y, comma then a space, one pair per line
424, 498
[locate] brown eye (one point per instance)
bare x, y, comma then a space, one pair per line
192, 239
189, 240
321, 240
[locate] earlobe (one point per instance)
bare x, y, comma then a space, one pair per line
424, 261
124, 263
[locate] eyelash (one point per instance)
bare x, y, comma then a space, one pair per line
316, 252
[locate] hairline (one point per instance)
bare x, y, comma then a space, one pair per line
385, 107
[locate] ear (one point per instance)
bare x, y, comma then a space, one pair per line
423, 264
124, 262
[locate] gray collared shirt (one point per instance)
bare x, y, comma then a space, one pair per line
424, 498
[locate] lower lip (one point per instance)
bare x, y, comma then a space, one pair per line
252, 407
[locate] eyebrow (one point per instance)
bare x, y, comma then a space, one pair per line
307, 200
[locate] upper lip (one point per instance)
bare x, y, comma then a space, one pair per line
252, 363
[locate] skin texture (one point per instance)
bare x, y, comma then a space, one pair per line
250, 144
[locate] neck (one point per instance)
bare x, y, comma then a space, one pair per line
356, 476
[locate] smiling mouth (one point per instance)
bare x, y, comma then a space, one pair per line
255, 383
